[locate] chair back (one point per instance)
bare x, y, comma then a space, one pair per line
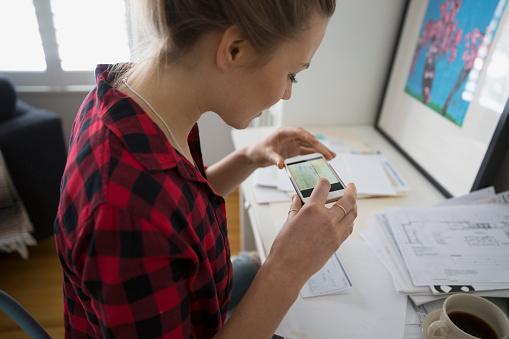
17, 313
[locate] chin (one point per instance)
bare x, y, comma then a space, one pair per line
243, 124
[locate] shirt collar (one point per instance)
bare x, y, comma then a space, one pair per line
140, 135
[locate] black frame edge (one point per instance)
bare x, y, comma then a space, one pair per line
495, 152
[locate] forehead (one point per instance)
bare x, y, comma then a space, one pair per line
303, 46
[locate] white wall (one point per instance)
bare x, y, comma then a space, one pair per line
216, 138
345, 81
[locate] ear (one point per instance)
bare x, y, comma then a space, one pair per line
233, 49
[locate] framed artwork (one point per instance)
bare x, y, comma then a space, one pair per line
445, 104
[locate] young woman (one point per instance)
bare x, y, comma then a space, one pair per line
141, 230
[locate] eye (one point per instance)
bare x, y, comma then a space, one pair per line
292, 78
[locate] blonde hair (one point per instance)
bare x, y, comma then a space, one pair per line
176, 25
170, 28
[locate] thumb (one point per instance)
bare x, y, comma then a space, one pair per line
277, 159
320, 192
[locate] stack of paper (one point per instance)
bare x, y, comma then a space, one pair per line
372, 174
271, 185
459, 246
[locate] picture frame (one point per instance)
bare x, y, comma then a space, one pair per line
445, 105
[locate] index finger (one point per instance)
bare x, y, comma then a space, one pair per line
315, 143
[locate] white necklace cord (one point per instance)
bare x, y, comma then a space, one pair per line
170, 133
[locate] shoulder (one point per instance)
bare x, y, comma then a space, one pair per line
116, 156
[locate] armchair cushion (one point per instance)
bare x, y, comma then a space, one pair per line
7, 99
32, 143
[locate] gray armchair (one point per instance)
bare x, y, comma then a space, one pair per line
33, 147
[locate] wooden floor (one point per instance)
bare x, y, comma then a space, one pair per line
37, 283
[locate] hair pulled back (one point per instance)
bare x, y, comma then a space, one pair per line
178, 24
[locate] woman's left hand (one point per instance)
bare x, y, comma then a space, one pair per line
285, 143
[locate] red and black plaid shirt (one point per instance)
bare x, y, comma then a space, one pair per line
140, 234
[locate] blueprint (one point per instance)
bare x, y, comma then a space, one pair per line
453, 245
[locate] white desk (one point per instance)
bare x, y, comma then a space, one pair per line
258, 228
260, 223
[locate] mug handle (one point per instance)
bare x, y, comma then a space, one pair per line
437, 326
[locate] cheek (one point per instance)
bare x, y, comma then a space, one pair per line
273, 91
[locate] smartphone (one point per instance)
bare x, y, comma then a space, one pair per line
305, 171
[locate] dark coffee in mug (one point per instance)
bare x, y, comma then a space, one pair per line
472, 325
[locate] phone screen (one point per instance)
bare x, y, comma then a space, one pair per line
306, 174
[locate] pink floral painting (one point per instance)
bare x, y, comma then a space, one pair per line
454, 40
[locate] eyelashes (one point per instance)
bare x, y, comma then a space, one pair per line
293, 78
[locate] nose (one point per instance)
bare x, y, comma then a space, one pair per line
288, 92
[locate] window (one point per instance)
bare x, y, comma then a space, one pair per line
57, 43
82, 24
21, 51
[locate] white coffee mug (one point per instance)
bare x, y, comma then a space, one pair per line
476, 306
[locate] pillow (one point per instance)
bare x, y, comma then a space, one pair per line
7, 99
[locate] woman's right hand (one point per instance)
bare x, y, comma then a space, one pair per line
313, 232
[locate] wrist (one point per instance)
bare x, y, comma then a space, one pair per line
247, 157
282, 275
264, 305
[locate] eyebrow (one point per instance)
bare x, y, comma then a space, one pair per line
306, 65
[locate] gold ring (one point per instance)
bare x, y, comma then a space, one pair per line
342, 208
292, 210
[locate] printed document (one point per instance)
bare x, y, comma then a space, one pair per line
330, 279
453, 245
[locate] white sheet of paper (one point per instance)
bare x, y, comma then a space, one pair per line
469, 198
453, 245
371, 308
266, 176
366, 171
273, 177
398, 182
382, 243
501, 198
265, 195
337, 145
283, 182
330, 279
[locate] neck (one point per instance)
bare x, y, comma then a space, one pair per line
174, 94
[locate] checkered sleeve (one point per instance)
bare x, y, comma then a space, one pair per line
135, 275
